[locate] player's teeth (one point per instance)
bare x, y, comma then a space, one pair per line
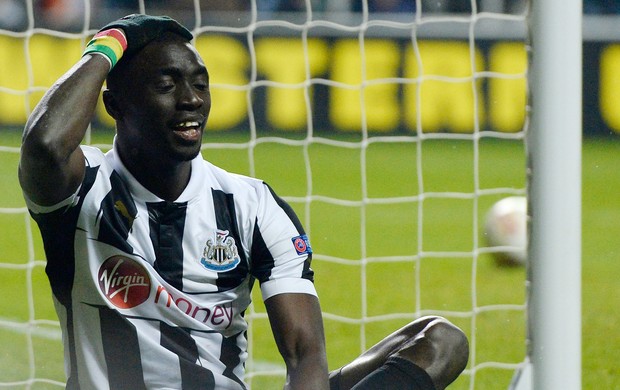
188, 124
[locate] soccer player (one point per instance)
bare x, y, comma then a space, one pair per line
152, 251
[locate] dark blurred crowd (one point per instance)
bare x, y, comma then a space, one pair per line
67, 14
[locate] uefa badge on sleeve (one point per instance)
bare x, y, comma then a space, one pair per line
302, 245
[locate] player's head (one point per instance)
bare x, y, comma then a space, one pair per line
160, 99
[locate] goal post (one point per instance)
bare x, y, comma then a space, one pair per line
554, 149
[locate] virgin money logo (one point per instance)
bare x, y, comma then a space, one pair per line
124, 282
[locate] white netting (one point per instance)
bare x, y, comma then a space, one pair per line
391, 134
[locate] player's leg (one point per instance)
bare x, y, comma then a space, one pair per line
433, 346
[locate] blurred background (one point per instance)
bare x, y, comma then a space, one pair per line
390, 126
69, 14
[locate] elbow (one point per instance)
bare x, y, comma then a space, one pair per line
40, 151
308, 348
45, 146
306, 366
303, 351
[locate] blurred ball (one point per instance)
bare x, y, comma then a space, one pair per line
506, 226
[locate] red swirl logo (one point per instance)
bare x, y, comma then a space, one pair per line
124, 282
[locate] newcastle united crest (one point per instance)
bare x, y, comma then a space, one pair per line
220, 253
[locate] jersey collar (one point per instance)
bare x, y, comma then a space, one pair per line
139, 191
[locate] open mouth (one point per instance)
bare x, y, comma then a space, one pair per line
189, 130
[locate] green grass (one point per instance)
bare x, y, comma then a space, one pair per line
449, 283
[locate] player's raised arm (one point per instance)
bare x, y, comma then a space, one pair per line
51, 163
297, 326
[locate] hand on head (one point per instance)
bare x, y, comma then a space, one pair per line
128, 35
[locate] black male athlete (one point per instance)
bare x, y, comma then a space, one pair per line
152, 251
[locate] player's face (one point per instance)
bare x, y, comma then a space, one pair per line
166, 106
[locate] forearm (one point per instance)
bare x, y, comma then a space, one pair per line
309, 372
297, 327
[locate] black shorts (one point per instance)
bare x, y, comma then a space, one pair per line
396, 374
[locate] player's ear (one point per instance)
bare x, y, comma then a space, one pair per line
111, 104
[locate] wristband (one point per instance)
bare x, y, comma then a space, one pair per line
109, 43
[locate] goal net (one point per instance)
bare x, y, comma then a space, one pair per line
391, 132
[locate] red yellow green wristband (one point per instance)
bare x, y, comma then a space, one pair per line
109, 43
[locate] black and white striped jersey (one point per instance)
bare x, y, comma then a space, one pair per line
151, 294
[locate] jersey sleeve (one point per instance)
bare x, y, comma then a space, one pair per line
64, 204
281, 253
90, 155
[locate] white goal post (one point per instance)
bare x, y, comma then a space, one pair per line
554, 144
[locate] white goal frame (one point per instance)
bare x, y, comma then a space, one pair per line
554, 189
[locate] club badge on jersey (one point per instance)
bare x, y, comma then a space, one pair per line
220, 253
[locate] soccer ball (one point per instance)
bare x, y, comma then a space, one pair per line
506, 226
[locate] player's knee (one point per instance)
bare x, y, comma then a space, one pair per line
441, 334
438, 347
451, 351
438, 341
450, 341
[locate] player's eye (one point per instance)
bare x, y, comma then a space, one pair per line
201, 83
164, 87
201, 86
164, 84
